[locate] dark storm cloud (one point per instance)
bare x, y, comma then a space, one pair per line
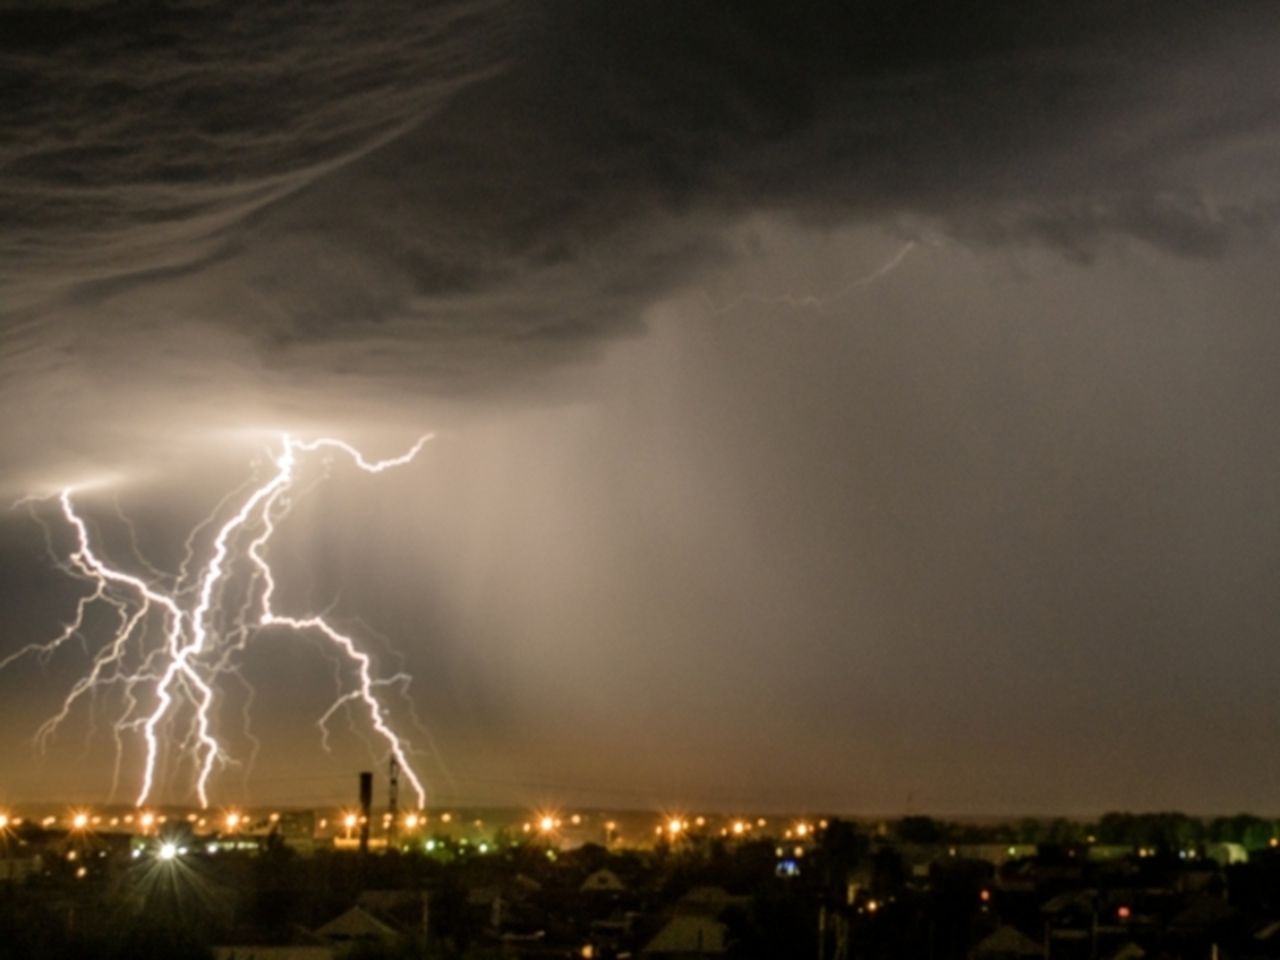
263, 205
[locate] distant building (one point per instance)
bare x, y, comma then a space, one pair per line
1128, 951
603, 881
709, 901
687, 937
1007, 943
357, 925
18, 869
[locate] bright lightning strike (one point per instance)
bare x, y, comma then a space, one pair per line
178, 675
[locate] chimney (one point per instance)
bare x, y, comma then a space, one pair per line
366, 809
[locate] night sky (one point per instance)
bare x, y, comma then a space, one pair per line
862, 406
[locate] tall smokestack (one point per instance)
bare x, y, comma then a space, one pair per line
366, 809
393, 794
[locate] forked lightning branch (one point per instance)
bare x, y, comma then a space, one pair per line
171, 644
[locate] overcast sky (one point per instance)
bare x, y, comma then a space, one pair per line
849, 407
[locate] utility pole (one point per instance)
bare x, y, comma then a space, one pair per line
366, 810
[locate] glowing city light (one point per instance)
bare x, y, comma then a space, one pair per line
4, 821
80, 821
174, 641
168, 851
411, 821
547, 823
675, 825
232, 820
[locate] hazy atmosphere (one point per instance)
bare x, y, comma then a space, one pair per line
855, 407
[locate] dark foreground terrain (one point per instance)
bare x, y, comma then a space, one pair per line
1124, 888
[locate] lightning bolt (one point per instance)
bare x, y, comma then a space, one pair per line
811, 301
198, 641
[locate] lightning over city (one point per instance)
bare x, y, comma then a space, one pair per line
170, 646
849, 526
